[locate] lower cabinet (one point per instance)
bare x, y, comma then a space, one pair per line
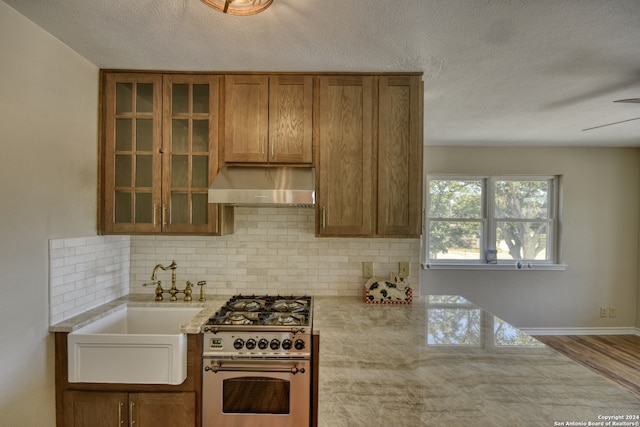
129, 405
108, 409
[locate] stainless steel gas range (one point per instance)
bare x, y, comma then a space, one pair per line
257, 363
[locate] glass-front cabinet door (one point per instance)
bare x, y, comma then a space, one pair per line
132, 137
190, 157
160, 155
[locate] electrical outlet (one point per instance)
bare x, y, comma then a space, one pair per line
403, 269
367, 269
612, 311
603, 311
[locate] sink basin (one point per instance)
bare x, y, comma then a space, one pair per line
133, 345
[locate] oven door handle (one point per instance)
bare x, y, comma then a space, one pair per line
217, 367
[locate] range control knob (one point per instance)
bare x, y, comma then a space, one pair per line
287, 344
299, 345
263, 344
275, 344
238, 343
251, 344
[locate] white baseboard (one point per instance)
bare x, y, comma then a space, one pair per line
582, 331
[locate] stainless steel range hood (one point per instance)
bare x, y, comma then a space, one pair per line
264, 186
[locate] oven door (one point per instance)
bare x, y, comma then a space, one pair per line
256, 393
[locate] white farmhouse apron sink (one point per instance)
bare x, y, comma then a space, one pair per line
132, 345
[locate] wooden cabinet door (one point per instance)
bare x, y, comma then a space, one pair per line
246, 127
160, 153
399, 156
95, 409
163, 409
290, 119
130, 177
345, 156
190, 153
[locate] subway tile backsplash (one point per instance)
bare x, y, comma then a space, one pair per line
86, 272
273, 250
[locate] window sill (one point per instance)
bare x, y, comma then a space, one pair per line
503, 266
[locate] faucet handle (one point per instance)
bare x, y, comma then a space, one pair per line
187, 291
158, 291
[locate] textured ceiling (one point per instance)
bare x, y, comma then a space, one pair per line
496, 72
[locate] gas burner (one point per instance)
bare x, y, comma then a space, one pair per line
236, 318
249, 304
290, 306
286, 319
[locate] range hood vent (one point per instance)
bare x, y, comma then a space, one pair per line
264, 186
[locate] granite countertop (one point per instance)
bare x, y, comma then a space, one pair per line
443, 361
209, 307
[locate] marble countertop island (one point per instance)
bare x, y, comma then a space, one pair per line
443, 361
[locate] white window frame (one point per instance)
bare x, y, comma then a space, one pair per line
489, 226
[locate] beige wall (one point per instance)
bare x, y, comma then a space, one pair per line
48, 123
599, 238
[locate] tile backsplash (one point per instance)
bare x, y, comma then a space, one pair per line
273, 250
85, 272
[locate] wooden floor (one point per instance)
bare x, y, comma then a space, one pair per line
616, 357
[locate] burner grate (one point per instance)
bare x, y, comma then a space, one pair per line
264, 310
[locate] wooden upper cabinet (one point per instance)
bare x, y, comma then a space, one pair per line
190, 153
345, 156
369, 134
399, 156
268, 119
132, 134
291, 119
160, 153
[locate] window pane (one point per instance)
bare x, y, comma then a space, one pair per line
180, 136
179, 171
201, 136
123, 135
200, 171
144, 208
124, 98
522, 199
455, 199
179, 208
144, 171
122, 208
200, 208
124, 171
145, 98
180, 98
201, 98
522, 240
144, 135
455, 239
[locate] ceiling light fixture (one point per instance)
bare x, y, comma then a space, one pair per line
239, 7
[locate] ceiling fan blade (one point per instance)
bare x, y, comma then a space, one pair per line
609, 124
629, 100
